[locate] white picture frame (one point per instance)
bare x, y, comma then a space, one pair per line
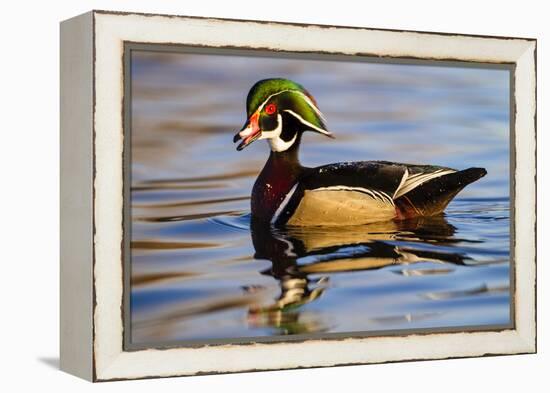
92, 194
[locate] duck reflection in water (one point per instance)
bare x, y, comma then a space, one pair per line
303, 258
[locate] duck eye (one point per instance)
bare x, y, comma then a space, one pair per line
270, 109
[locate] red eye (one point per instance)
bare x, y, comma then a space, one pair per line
270, 109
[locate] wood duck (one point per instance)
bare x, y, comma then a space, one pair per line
348, 193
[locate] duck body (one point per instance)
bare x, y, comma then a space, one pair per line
353, 193
348, 193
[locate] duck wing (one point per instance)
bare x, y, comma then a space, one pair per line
424, 190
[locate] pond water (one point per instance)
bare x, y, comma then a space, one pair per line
200, 272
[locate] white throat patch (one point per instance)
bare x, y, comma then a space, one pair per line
274, 137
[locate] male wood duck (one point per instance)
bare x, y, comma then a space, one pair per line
349, 193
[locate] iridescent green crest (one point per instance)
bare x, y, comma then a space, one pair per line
290, 95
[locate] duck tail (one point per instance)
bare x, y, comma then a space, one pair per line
433, 196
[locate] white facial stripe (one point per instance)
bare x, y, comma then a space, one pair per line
274, 137
269, 98
276, 132
278, 145
307, 123
312, 105
283, 204
275, 142
305, 97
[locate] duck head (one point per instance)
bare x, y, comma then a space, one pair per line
279, 110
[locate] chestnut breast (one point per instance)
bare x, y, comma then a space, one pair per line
272, 185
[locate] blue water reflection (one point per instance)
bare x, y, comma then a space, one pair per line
200, 272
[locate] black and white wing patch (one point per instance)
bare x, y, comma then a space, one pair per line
410, 181
428, 191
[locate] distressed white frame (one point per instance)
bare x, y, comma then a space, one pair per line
109, 361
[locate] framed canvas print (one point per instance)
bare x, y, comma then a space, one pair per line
245, 195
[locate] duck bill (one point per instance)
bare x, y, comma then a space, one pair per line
249, 133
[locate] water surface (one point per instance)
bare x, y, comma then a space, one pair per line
199, 271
